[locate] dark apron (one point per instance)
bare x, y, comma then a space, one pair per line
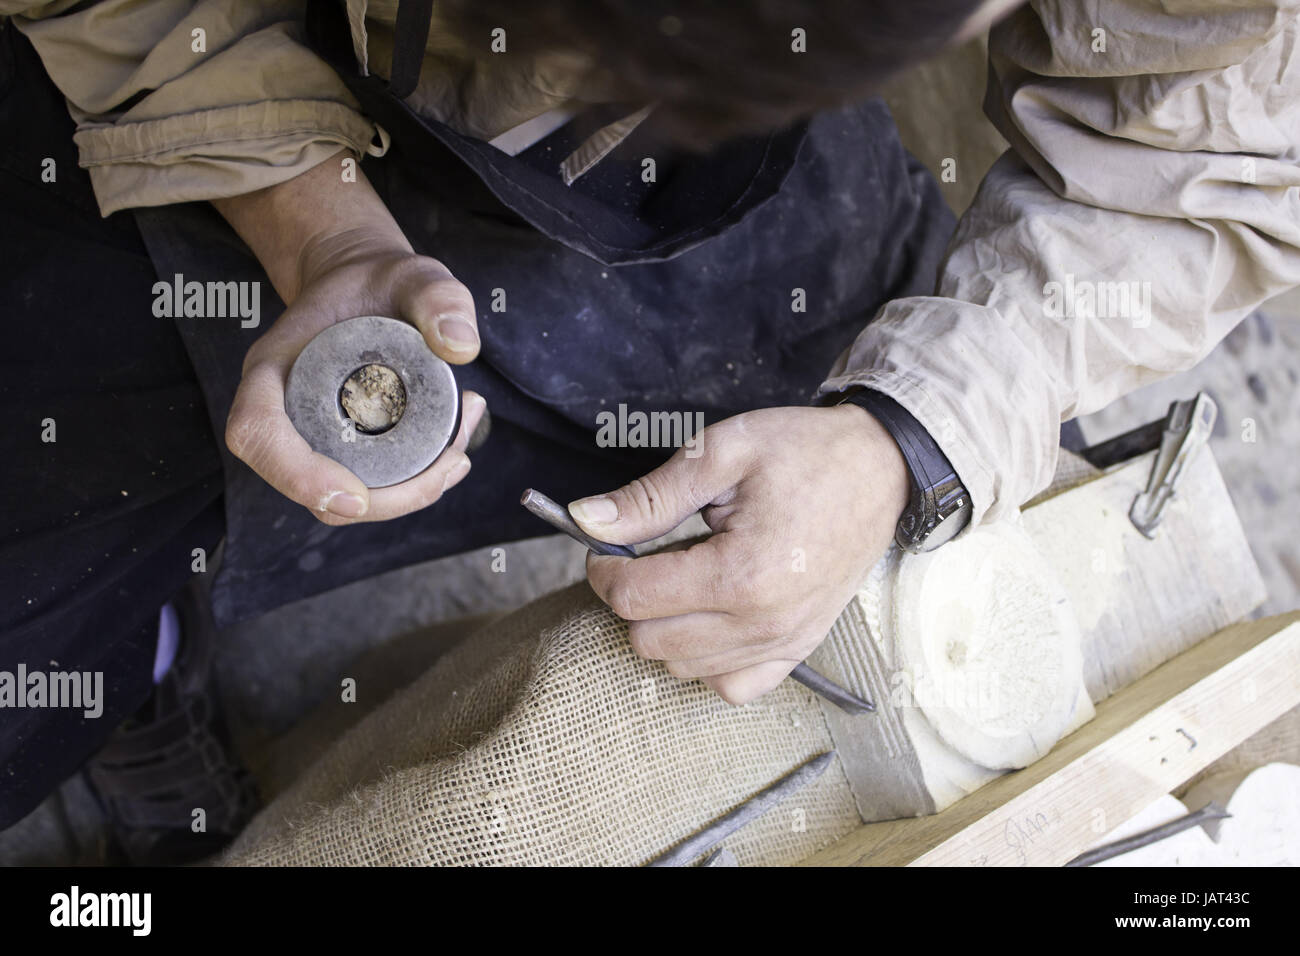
674, 295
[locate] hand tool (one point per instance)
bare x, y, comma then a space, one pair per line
1211, 811
557, 516
750, 810
721, 857
426, 410
1187, 428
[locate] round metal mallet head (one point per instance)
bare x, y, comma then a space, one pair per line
368, 393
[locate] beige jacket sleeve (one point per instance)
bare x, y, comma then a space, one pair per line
1151, 200
180, 100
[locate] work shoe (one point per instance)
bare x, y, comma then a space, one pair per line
167, 779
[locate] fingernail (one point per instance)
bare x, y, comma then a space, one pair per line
455, 332
598, 510
474, 405
344, 505
457, 473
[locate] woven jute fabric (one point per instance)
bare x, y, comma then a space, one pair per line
544, 740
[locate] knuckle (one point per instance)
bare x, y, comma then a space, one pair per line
731, 689
643, 644
726, 443
395, 271
391, 274
247, 436
691, 475
458, 293
254, 354
746, 586
646, 650
431, 492
647, 496
625, 599
682, 670
446, 295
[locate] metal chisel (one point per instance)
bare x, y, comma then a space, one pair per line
557, 516
746, 813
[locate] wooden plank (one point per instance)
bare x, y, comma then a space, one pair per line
1145, 740
1139, 601
1279, 742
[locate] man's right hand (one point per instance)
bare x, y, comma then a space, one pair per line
333, 252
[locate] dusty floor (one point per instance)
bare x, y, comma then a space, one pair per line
275, 669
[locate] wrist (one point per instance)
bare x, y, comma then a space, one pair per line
886, 469
300, 228
355, 245
938, 505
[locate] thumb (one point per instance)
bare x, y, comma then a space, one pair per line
659, 501
442, 309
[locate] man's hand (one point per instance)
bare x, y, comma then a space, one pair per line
333, 251
802, 503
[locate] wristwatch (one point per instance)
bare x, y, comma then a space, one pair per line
938, 506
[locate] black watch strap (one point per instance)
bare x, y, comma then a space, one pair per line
939, 506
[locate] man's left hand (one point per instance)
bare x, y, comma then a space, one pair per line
802, 502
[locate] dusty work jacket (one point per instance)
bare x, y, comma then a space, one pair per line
1150, 200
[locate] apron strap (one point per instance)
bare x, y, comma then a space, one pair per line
410, 34
610, 214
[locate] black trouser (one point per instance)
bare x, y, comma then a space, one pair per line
100, 522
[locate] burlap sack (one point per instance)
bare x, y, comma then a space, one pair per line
545, 740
